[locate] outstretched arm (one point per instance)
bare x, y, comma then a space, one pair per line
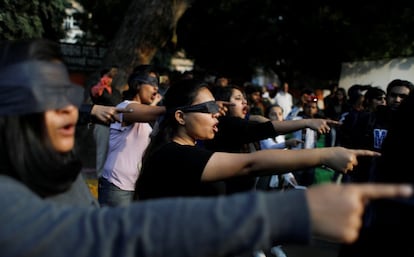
143, 113
276, 161
223, 226
167, 227
320, 125
97, 113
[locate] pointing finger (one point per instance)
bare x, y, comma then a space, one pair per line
225, 103
375, 191
333, 122
366, 153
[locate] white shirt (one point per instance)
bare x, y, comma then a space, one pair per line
126, 147
285, 100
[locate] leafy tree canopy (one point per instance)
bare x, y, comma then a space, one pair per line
304, 42
22, 19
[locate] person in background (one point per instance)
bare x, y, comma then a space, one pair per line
164, 84
221, 81
373, 98
282, 181
388, 222
330, 98
103, 90
284, 98
348, 119
287, 180
128, 140
309, 137
334, 108
371, 127
38, 116
305, 93
397, 91
103, 93
254, 99
275, 112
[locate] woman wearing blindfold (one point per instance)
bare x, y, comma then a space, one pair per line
38, 115
240, 132
174, 166
128, 139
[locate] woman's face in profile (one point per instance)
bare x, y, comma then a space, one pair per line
201, 125
240, 108
60, 126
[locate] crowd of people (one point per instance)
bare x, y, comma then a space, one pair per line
182, 169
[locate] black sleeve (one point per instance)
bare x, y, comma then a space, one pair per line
85, 116
240, 131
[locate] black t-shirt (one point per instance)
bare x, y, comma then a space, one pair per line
233, 136
233, 133
175, 170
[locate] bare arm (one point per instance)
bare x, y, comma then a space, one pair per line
320, 125
257, 118
143, 112
107, 114
276, 161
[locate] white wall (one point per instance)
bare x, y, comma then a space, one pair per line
376, 73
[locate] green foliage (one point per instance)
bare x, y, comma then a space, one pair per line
304, 40
20, 19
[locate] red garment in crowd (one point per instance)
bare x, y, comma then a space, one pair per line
104, 83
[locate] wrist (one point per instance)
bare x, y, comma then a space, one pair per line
93, 110
307, 125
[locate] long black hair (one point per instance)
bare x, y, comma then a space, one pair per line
27, 153
180, 93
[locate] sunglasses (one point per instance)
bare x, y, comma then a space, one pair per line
207, 107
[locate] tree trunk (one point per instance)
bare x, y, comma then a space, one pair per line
147, 26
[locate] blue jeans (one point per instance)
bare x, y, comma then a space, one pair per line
101, 136
111, 195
